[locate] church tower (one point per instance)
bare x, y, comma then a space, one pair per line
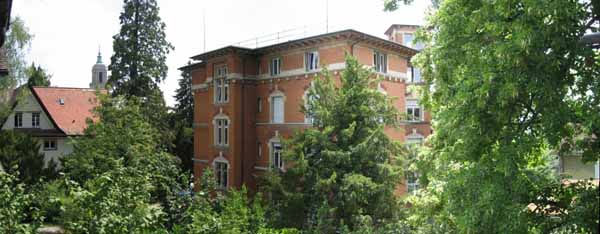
99, 74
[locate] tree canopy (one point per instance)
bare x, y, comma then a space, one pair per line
344, 171
507, 83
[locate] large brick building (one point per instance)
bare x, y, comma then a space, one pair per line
247, 100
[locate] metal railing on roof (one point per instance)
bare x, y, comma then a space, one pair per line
285, 35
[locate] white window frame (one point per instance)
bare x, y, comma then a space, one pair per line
259, 104
412, 186
259, 149
221, 176
35, 119
413, 73
412, 105
380, 62
18, 120
412, 39
221, 130
221, 85
276, 155
311, 63
275, 66
277, 94
50, 145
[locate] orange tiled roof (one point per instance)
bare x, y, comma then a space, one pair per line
71, 114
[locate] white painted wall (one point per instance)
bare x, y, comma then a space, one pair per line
26, 106
63, 147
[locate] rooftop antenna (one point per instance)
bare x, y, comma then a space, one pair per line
204, 27
327, 16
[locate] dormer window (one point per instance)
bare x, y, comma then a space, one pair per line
407, 39
61, 101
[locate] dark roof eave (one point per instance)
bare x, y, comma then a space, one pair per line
222, 51
192, 66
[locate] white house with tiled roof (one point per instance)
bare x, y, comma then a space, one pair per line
55, 114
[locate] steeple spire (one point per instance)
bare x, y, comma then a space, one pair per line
99, 57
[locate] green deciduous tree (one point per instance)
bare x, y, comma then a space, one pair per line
37, 76
345, 170
122, 138
117, 201
16, 215
507, 81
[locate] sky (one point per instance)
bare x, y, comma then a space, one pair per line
69, 33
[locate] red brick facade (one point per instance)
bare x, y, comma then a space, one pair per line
250, 130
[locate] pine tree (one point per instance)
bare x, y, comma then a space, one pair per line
181, 122
344, 170
184, 108
140, 50
37, 76
138, 63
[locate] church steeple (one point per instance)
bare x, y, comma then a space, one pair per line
99, 73
99, 58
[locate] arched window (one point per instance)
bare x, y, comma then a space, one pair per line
277, 103
221, 167
221, 130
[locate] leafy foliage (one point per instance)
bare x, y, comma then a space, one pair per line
16, 215
20, 156
181, 122
507, 81
117, 201
121, 138
346, 169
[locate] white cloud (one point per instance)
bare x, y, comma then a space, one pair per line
68, 32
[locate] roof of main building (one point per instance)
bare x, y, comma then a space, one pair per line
348, 34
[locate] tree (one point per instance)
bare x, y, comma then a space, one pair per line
507, 81
138, 63
122, 138
37, 76
20, 156
117, 201
18, 40
15, 207
140, 50
345, 169
181, 122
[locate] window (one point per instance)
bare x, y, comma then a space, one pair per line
408, 39
277, 109
221, 85
416, 75
380, 62
35, 120
221, 174
100, 78
308, 99
311, 60
413, 111
276, 157
275, 66
18, 120
259, 104
259, 147
221, 131
50, 144
412, 182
